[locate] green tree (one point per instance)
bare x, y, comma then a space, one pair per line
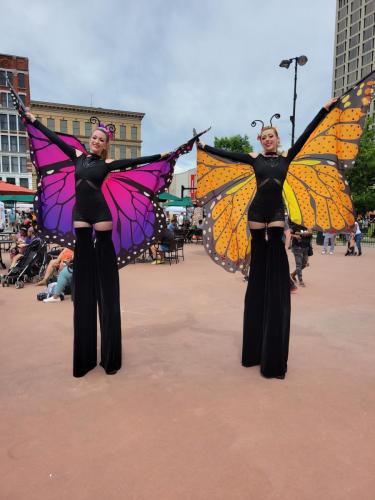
236, 143
361, 177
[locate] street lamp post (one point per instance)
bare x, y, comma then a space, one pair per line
285, 63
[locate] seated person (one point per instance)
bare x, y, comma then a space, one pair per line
57, 264
172, 227
24, 240
64, 279
165, 244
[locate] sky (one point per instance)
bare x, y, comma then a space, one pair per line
185, 64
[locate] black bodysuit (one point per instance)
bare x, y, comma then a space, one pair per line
90, 172
270, 173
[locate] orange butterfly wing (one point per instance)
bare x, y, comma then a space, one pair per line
315, 190
226, 189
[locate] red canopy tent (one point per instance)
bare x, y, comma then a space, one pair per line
9, 189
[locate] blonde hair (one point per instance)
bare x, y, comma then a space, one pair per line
269, 127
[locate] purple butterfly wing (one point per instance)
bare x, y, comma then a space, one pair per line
137, 218
55, 197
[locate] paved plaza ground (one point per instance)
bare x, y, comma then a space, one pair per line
183, 419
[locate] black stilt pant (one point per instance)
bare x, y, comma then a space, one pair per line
109, 302
84, 278
254, 300
96, 280
267, 305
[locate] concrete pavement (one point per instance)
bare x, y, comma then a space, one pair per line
183, 419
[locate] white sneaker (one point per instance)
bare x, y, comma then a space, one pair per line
324, 252
330, 253
52, 299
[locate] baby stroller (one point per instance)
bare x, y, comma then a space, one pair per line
31, 265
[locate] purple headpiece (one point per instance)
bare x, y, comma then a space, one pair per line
108, 129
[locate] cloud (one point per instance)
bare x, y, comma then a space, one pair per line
185, 64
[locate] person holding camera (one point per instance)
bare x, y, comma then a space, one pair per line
301, 245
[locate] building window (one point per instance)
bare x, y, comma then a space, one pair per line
12, 122
342, 3
3, 78
24, 182
355, 28
122, 132
21, 81
133, 134
51, 123
367, 58
122, 151
370, 7
14, 164
353, 53
23, 165
4, 143
340, 48
340, 60
11, 180
88, 129
13, 143
342, 12
368, 33
21, 126
3, 100
63, 126
353, 41
356, 4
369, 20
340, 82
5, 163
76, 128
356, 16
366, 71
3, 122
133, 152
352, 65
339, 71
341, 37
22, 143
352, 78
368, 45
112, 152
342, 24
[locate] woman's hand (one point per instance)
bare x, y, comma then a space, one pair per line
165, 155
200, 144
330, 103
30, 116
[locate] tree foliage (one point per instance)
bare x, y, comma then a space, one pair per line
361, 177
236, 143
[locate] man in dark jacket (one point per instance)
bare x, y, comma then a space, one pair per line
301, 242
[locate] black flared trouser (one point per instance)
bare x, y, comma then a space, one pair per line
84, 285
108, 301
267, 305
96, 280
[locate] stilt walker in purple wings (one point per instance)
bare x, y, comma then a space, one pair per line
80, 192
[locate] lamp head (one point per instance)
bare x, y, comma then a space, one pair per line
285, 63
302, 60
